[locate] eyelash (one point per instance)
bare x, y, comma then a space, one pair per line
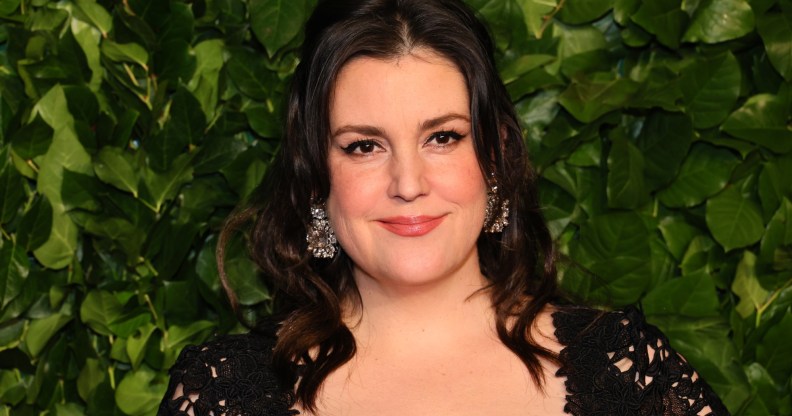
372, 144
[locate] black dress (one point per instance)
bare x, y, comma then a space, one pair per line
232, 375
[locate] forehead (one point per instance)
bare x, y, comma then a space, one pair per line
421, 84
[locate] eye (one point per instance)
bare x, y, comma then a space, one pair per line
361, 147
444, 138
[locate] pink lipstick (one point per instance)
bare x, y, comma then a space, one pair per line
411, 226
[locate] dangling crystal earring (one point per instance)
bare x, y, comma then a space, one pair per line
321, 238
495, 225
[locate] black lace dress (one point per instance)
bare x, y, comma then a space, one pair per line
614, 364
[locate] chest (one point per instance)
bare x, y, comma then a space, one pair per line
453, 383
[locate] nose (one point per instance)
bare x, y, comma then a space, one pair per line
407, 177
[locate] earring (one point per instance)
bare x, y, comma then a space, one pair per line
495, 225
321, 238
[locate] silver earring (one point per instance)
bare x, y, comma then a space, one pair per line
494, 204
321, 238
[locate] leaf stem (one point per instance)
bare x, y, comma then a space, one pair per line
770, 300
151, 305
549, 17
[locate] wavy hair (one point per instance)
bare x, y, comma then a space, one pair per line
519, 262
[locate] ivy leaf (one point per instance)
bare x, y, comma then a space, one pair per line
779, 233
35, 227
276, 22
664, 19
762, 120
693, 295
704, 172
710, 88
139, 392
205, 80
127, 52
773, 352
136, 345
8, 6
14, 269
775, 183
615, 247
578, 12
42, 330
626, 187
99, 310
746, 286
719, 21
735, 221
588, 99
12, 188
677, 234
96, 14
534, 14
776, 30
115, 167
33, 139
91, 375
664, 141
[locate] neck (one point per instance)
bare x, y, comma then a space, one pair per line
436, 312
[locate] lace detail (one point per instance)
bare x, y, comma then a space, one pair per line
617, 364
230, 376
614, 363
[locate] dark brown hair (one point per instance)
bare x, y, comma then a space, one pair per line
519, 262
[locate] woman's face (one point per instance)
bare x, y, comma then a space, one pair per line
407, 196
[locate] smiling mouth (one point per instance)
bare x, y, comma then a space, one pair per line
411, 226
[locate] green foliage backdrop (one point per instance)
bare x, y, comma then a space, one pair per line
129, 129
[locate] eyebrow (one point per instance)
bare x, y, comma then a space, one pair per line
367, 130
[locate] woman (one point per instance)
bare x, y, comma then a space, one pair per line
414, 272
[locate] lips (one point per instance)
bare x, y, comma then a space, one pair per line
409, 226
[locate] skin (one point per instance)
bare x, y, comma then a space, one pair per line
401, 148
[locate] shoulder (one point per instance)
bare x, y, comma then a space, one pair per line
617, 357
230, 374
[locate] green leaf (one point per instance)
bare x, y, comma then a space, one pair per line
534, 14
140, 392
161, 187
710, 88
720, 20
249, 72
626, 187
33, 139
99, 310
242, 272
136, 345
664, 141
746, 286
776, 30
763, 386
65, 152
694, 296
12, 189
773, 352
584, 11
115, 167
276, 22
705, 171
185, 118
127, 52
778, 234
205, 81
735, 221
14, 269
762, 120
41, 330
615, 248
8, 6
588, 99
677, 234
181, 335
775, 183
523, 65
664, 19
96, 14
91, 375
